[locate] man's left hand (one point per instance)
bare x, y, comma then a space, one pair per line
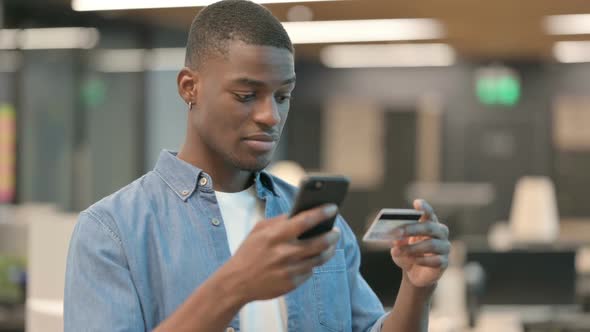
422, 249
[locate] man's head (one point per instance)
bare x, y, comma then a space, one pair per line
239, 76
218, 24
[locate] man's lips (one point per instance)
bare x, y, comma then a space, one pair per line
261, 142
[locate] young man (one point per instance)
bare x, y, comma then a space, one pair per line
203, 243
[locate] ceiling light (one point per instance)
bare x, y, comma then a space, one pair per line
387, 55
572, 51
166, 59
8, 39
363, 30
58, 38
576, 24
89, 5
119, 60
138, 60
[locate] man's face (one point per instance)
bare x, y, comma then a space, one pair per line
242, 103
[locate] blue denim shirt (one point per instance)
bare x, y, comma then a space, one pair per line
138, 254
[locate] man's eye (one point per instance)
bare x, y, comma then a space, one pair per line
284, 98
243, 97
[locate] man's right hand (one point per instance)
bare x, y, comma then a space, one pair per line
272, 261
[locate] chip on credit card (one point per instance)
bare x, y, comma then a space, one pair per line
387, 221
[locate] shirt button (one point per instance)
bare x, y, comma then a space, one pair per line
203, 181
215, 222
230, 329
184, 192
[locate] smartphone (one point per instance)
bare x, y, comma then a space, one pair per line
316, 190
387, 220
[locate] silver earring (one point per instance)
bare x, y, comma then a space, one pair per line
190, 105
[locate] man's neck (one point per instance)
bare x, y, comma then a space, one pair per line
226, 177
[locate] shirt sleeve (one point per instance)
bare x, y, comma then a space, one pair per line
99, 292
367, 311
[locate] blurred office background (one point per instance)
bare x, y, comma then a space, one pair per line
483, 108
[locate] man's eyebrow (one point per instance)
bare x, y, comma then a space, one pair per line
258, 84
289, 81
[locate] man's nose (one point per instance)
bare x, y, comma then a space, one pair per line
267, 113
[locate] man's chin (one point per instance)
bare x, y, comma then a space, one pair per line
254, 164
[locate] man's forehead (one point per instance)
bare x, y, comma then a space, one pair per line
242, 54
259, 65
257, 83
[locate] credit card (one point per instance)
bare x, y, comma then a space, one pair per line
387, 221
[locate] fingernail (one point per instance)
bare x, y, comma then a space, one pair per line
332, 237
327, 254
330, 210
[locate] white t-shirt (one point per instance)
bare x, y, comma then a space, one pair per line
240, 212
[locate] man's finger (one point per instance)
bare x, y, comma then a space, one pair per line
306, 220
427, 228
314, 246
401, 243
422, 205
427, 247
301, 278
439, 261
305, 266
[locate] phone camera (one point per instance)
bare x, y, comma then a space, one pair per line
318, 185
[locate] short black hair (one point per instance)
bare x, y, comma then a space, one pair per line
228, 20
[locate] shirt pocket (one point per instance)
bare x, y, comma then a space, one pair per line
332, 297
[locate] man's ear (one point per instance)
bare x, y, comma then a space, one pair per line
187, 85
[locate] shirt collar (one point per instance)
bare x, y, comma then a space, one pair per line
265, 183
184, 178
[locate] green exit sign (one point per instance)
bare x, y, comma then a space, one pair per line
497, 86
